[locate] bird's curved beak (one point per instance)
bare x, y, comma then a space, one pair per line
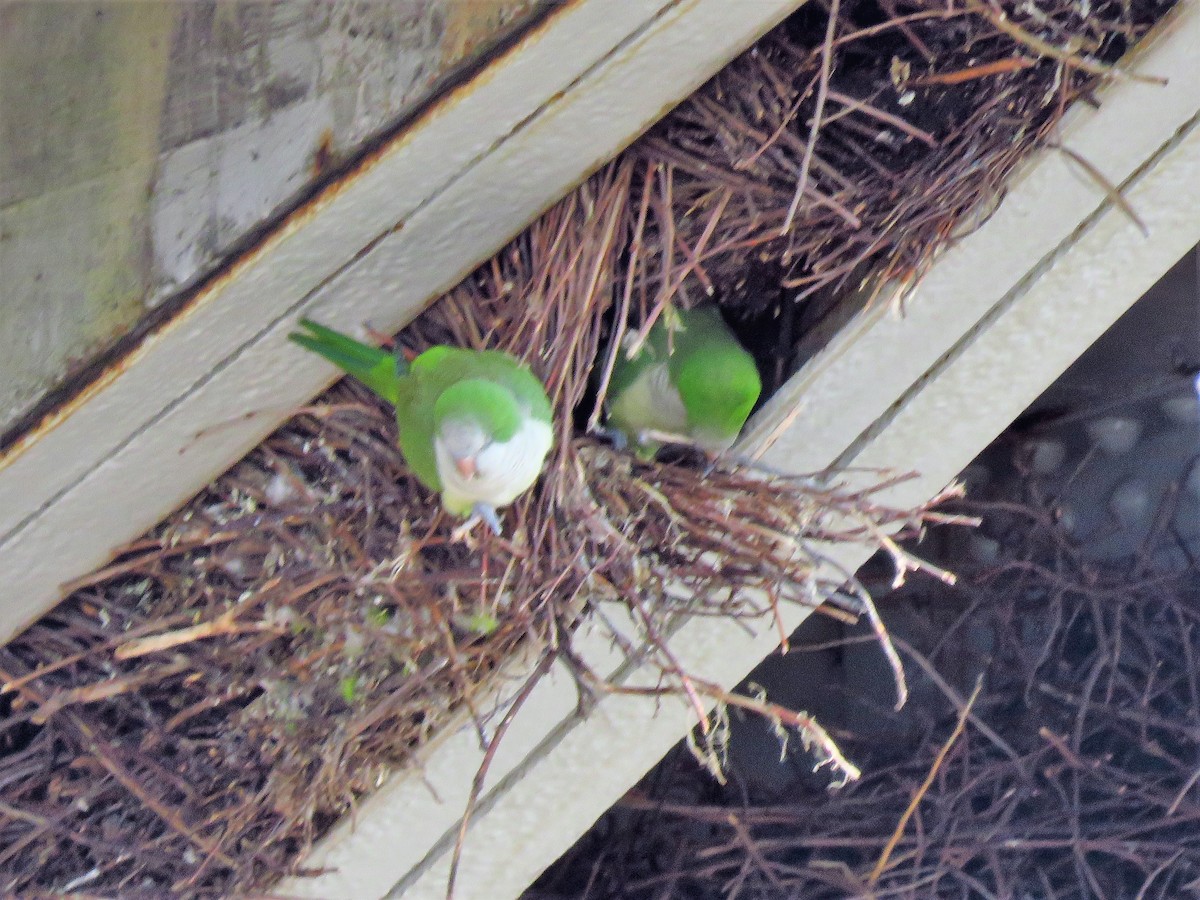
465, 466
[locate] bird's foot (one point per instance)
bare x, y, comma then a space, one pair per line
654, 436
480, 512
613, 436
487, 514
462, 533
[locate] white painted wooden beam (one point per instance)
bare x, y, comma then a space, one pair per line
1042, 325
400, 230
1047, 201
996, 320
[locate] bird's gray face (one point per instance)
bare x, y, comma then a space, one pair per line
463, 440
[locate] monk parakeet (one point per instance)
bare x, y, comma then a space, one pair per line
691, 380
475, 425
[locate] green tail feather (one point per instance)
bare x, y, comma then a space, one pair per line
376, 368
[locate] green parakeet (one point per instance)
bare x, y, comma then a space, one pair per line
690, 380
475, 425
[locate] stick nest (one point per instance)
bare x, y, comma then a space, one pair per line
1073, 777
199, 711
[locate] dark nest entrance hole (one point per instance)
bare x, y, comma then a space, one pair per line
198, 712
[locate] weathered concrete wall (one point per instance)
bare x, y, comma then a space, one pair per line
139, 141
81, 89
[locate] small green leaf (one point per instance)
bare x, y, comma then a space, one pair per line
348, 686
482, 623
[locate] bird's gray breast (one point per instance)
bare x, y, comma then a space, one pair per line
652, 402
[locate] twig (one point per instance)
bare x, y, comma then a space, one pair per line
970, 73
882, 862
621, 321
960, 704
814, 130
1093, 67
103, 690
853, 105
225, 624
1111, 190
485, 764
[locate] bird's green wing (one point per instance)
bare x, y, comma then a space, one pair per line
716, 377
429, 374
377, 369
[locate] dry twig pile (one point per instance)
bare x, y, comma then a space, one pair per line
1074, 778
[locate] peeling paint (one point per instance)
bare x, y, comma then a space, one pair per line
265, 98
